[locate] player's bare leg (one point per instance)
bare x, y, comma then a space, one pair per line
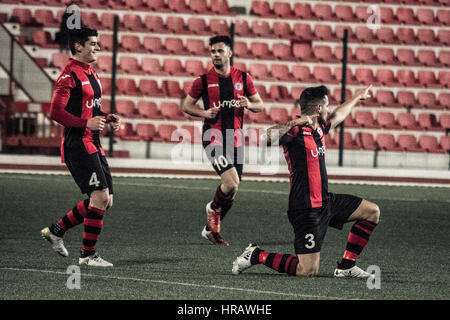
308, 264
367, 216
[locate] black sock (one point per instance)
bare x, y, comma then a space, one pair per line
346, 264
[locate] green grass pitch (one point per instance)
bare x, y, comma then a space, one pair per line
152, 235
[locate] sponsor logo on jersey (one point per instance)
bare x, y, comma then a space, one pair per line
320, 151
93, 103
227, 104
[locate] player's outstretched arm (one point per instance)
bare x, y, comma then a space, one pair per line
189, 106
342, 111
279, 130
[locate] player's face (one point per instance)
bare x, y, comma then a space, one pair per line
88, 53
324, 109
220, 55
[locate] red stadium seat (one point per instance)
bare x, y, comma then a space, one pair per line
406, 16
152, 66
241, 50
126, 132
364, 34
427, 37
125, 108
428, 79
428, 100
365, 76
426, 16
386, 35
155, 24
385, 55
303, 52
261, 28
154, 45
194, 67
106, 85
323, 74
406, 35
444, 58
23, 16
445, 143
173, 89
174, 67
430, 144
443, 16
135, 4
386, 98
90, 19
443, 37
406, 57
146, 131
427, 58
429, 122
365, 55
46, 18
408, 142
199, 6
406, 99
407, 121
339, 33
406, 78
176, 25
131, 44
365, 119
242, 29
259, 117
324, 54
165, 133
367, 141
149, 110
345, 13
281, 72
330, 143
261, 50
130, 65
196, 47
241, 66
349, 142
282, 30
171, 111
444, 100
324, 12
278, 115
104, 64
280, 93
133, 22
260, 71
444, 120
127, 86
387, 120
303, 32
304, 11
339, 54
302, 73
219, 26
107, 21
444, 78
361, 13
295, 112
178, 6
324, 33
263, 92
387, 16
197, 25
43, 39
175, 46
220, 7
283, 10
386, 77
386, 142
282, 51
261, 8
149, 87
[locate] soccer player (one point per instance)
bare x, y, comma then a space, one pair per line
76, 105
312, 208
226, 92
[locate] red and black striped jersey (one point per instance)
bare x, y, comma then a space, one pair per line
223, 91
77, 98
304, 150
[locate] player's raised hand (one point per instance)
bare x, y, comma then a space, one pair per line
211, 113
113, 120
96, 123
363, 93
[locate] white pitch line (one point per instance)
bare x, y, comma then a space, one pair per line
180, 284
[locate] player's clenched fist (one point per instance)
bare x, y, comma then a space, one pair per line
211, 113
113, 120
96, 123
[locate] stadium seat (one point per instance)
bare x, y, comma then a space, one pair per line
219, 26
282, 51
427, 58
173, 89
445, 143
364, 34
430, 144
220, 7
155, 24
302, 73
408, 142
324, 12
131, 44
127, 86
136, 4
130, 65
367, 141
444, 78
146, 131
261, 50
242, 28
324, 54
365, 119
125, 108
406, 99
107, 21
406, 36
261, 28
278, 115
104, 64
444, 58
152, 66
171, 111
126, 132
281, 72
386, 142
406, 16
178, 6
304, 11
303, 52
425, 16
386, 77
336, 98
165, 133
387, 120
302, 31
427, 78
344, 13
196, 47
407, 121
90, 19
427, 37
261, 8
175, 46
106, 42
241, 50
428, 100
349, 142
386, 98
324, 33
259, 117
133, 22
406, 57
174, 67
176, 25
406, 78
386, 35
43, 39
149, 110
385, 55
443, 16
429, 122
23, 16
443, 37
264, 94
198, 6
387, 16
283, 10
149, 87
280, 94
339, 33
339, 54
444, 100
198, 26
365, 55
361, 13
260, 71
46, 18
365, 76
194, 67
349, 76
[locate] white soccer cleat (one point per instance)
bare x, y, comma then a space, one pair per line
243, 262
214, 237
354, 272
56, 242
94, 261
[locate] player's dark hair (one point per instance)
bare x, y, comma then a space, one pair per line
218, 39
311, 97
80, 36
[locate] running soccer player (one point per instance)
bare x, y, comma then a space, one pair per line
226, 92
311, 208
76, 105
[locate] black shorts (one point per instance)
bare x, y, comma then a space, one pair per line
310, 226
222, 161
90, 171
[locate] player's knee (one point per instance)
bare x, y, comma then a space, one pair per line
231, 187
100, 199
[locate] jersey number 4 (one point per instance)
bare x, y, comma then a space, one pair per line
94, 181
